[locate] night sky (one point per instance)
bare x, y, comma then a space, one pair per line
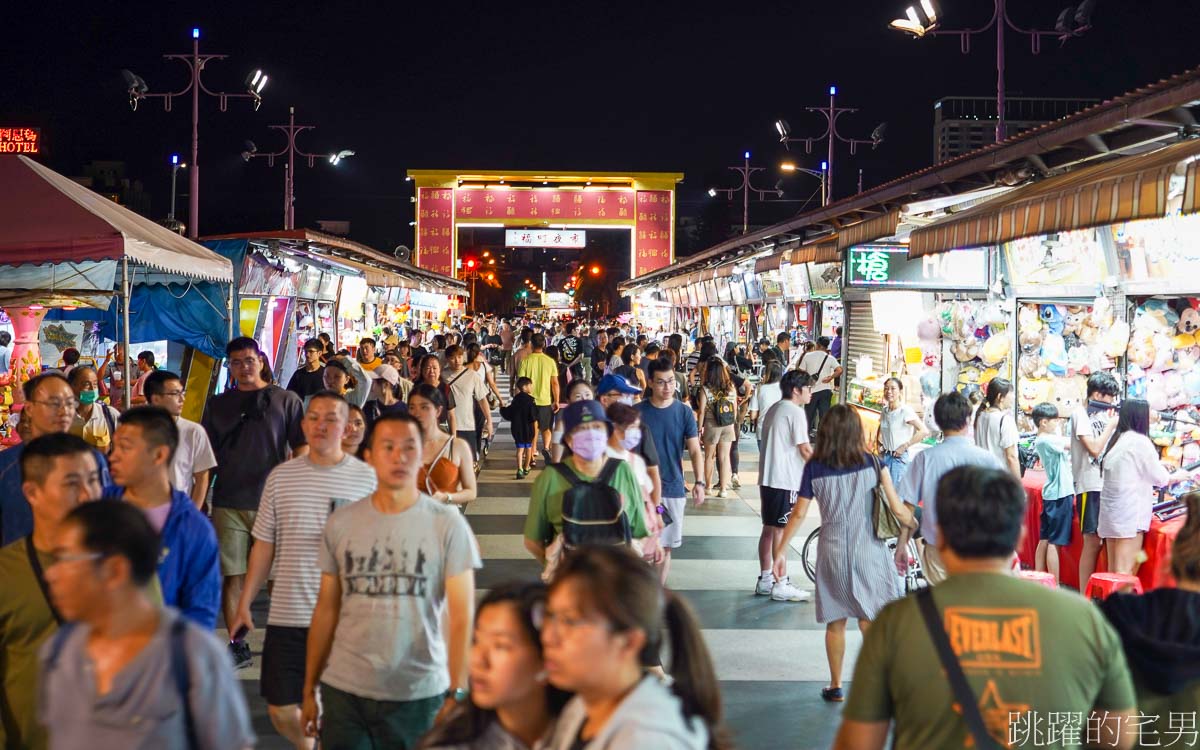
647, 86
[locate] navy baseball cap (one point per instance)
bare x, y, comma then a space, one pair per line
583, 412
611, 382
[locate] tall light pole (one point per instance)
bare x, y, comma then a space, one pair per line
138, 90
831, 136
788, 166
290, 131
175, 167
746, 171
926, 20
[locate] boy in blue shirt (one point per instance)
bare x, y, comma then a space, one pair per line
1058, 494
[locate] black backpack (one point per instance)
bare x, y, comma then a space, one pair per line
723, 409
593, 512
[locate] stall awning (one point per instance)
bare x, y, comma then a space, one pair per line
769, 263
876, 227
48, 218
825, 251
1124, 189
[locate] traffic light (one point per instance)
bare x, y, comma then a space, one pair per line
491, 277
470, 263
595, 270
571, 292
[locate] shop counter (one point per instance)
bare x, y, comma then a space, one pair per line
1154, 572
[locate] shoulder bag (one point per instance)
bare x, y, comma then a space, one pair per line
883, 519
966, 700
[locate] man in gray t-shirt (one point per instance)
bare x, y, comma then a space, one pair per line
389, 563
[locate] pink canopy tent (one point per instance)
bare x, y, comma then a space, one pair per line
63, 242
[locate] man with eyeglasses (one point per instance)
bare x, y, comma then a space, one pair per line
60, 472
253, 428
194, 459
127, 672
50, 404
309, 378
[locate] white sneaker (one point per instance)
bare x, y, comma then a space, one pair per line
784, 591
763, 587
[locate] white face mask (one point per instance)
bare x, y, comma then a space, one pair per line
626, 398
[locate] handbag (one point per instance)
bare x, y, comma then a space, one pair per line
966, 700
886, 525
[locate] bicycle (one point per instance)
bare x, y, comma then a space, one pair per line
808, 554
915, 578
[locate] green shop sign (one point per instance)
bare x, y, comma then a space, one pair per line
890, 266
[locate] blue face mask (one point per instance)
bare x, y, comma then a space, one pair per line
633, 436
589, 444
88, 397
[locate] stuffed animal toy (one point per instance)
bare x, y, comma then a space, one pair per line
930, 384
1030, 393
963, 321
1030, 365
1054, 354
967, 349
1191, 384
1078, 360
1068, 394
1137, 382
1189, 321
1173, 389
1031, 340
1073, 322
1186, 359
1164, 352
1156, 391
1102, 313
929, 330
995, 349
1155, 315
1052, 318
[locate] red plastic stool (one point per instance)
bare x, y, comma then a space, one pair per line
1039, 576
1103, 585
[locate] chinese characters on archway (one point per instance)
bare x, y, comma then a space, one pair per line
435, 225
652, 231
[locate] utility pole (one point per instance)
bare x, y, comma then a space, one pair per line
746, 171
831, 136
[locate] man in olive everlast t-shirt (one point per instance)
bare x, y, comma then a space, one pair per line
253, 429
1044, 666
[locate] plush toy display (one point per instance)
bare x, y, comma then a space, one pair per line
1052, 317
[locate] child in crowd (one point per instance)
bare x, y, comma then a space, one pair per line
520, 413
1058, 494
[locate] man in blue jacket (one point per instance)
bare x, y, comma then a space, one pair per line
188, 570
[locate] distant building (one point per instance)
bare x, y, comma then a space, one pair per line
964, 123
109, 179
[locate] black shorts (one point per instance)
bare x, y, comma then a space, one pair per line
1088, 506
282, 680
544, 416
776, 505
1056, 520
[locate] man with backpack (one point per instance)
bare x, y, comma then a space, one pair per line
589, 498
825, 370
125, 672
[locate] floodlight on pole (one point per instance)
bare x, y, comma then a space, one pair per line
747, 172
137, 89
1073, 21
831, 136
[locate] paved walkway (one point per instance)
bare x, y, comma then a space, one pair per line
770, 656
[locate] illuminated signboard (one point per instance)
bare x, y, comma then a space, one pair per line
880, 265
20, 141
574, 238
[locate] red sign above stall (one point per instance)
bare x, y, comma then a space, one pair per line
544, 204
20, 141
652, 231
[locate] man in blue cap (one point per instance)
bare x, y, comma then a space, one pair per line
613, 389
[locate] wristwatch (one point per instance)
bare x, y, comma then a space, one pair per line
699, 483
458, 695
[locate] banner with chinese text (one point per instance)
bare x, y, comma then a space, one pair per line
652, 231
435, 222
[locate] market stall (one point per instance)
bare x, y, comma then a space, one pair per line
929, 322
73, 251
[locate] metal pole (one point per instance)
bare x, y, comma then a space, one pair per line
229, 308
832, 135
289, 216
860, 179
174, 174
746, 198
194, 173
126, 386
1001, 22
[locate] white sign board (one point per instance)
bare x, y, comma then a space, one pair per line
571, 238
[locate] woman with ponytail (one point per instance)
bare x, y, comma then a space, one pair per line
604, 619
510, 706
996, 427
1161, 633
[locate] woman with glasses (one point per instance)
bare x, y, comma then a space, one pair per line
606, 616
95, 421
511, 706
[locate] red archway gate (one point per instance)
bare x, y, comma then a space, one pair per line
643, 202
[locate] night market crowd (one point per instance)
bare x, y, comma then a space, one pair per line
344, 492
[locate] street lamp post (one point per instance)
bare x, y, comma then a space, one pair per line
831, 136
290, 131
820, 175
746, 171
138, 90
1072, 22
175, 167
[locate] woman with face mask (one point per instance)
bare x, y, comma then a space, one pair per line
586, 430
95, 421
578, 390
625, 438
511, 706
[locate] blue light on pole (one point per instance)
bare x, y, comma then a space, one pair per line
746, 155
824, 166
175, 159
833, 90
195, 32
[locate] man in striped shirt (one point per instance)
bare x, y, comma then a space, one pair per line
297, 499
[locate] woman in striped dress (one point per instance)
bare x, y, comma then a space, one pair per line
856, 573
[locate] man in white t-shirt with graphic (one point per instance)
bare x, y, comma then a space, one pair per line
1091, 428
784, 449
194, 459
296, 502
825, 370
